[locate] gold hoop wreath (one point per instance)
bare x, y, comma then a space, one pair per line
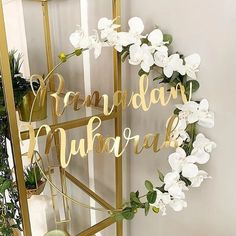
192, 149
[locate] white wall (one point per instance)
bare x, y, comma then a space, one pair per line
206, 27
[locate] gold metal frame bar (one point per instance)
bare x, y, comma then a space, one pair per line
98, 227
89, 192
70, 124
116, 7
11, 113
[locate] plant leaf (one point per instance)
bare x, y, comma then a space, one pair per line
161, 176
128, 213
155, 209
148, 185
147, 208
151, 197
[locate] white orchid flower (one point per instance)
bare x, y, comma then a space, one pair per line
125, 39
176, 189
192, 63
95, 44
141, 54
174, 186
194, 112
206, 118
179, 134
104, 23
171, 178
189, 111
107, 27
180, 162
156, 39
197, 180
162, 200
136, 26
79, 39
202, 146
168, 63
178, 204
189, 169
176, 159
134, 35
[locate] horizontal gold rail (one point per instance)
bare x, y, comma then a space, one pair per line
88, 191
70, 124
98, 227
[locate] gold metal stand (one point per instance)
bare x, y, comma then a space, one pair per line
116, 115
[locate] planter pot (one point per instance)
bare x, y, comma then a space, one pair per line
39, 110
16, 232
36, 191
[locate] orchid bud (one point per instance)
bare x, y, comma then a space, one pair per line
62, 57
78, 52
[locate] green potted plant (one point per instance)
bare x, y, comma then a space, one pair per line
23, 94
10, 217
34, 181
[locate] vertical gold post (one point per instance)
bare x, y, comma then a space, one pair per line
116, 5
50, 66
11, 113
47, 35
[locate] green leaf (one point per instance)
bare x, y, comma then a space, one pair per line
155, 209
142, 72
148, 185
5, 185
167, 38
119, 217
195, 86
124, 56
158, 78
176, 111
151, 197
161, 176
147, 208
128, 213
134, 198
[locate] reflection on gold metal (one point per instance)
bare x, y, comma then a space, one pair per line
39, 111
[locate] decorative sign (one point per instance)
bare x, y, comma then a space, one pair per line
151, 52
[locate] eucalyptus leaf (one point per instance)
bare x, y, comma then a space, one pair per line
128, 213
148, 185
147, 208
151, 197
161, 176
167, 38
195, 86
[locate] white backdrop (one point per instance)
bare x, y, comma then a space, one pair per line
206, 27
